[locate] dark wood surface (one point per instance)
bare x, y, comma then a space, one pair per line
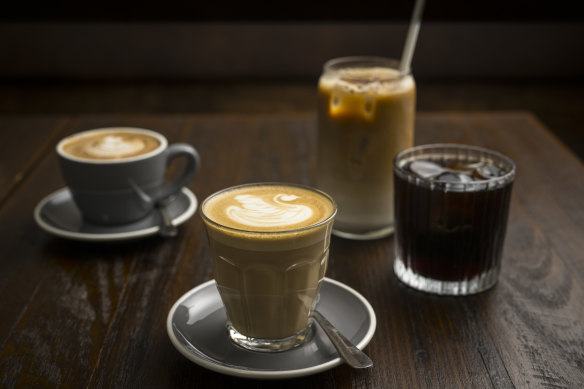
76, 314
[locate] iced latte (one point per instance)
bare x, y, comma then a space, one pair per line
366, 111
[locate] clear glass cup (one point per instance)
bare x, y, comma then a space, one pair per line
451, 220
366, 110
269, 280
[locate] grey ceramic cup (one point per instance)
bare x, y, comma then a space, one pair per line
121, 191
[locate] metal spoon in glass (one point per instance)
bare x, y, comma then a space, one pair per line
347, 350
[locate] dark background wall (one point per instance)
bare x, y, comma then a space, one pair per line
298, 10
172, 40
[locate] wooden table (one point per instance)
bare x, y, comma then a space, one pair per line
75, 314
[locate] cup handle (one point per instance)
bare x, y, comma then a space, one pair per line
177, 150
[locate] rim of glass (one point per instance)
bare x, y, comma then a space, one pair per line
295, 230
413, 153
363, 61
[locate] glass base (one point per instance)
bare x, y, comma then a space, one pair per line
367, 235
270, 345
474, 285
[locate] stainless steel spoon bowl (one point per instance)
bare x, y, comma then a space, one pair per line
347, 350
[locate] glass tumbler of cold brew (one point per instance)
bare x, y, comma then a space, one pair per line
451, 209
366, 109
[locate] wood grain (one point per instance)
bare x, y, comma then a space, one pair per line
93, 315
22, 145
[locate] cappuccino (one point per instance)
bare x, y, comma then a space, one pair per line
117, 175
269, 244
366, 113
110, 144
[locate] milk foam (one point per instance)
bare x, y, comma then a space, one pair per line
256, 211
268, 208
112, 146
376, 80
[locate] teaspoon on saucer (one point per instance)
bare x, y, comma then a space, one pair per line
347, 350
167, 229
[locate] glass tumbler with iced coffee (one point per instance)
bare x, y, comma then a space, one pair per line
452, 203
366, 111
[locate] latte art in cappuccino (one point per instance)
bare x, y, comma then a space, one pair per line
268, 208
110, 145
263, 211
114, 146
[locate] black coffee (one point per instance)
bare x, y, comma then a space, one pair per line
451, 217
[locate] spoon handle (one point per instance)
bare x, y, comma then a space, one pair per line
167, 229
347, 350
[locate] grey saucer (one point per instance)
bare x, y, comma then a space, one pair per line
58, 215
196, 325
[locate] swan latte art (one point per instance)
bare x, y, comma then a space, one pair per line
268, 208
269, 244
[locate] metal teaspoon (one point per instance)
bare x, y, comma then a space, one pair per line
347, 350
167, 229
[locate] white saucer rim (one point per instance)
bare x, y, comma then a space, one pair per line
259, 374
83, 236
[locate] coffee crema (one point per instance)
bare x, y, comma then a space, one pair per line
110, 145
268, 208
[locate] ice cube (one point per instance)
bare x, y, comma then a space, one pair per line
335, 101
454, 178
487, 172
369, 105
426, 169
468, 166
